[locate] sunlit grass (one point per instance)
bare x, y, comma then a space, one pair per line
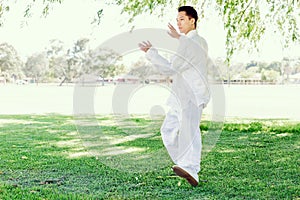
60, 157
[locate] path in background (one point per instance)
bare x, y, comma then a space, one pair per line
249, 101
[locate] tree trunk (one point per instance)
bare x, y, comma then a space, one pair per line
36, 80
61, 83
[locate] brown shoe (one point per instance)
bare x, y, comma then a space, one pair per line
184, 174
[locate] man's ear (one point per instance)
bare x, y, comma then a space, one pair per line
193, 21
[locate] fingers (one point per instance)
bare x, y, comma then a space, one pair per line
142, 47
171, 27
172, 31
170, 34
148, 43
145, 45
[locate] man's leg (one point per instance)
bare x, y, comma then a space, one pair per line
169, 132
189, 140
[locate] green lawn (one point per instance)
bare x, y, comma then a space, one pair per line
60, 157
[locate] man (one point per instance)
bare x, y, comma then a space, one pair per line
190, 94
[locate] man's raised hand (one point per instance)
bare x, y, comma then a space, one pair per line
172, 31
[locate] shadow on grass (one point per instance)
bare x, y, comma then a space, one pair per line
255, 160
129, 145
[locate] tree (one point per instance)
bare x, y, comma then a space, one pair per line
249, 73
296, 68
245, 21
270, 75
276, 66
103, 62
4, 7
37, 66
286, 69
75, 59
142, 69
262, 66
10, 62
56, 55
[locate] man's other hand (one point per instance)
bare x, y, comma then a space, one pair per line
145, 46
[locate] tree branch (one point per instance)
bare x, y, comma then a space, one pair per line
243, 12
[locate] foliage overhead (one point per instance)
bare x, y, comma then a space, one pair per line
245, 21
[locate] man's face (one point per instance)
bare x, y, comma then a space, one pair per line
184, 23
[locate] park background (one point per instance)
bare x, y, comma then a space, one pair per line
43, 150
60, 48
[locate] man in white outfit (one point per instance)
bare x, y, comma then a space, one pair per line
190, 94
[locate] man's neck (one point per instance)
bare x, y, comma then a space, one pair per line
190, 31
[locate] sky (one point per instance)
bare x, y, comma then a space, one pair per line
72, 20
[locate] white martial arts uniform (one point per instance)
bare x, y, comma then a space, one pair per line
190, 94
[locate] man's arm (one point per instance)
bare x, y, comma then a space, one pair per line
188, 55
159, 62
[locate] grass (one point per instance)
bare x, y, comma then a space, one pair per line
63, 157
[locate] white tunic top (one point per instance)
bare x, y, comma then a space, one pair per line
188, 69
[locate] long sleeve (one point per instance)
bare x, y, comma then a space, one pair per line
190, 53
159, 62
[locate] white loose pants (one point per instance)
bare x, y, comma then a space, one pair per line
182, 139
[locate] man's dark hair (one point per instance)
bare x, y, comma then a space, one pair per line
190, 12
